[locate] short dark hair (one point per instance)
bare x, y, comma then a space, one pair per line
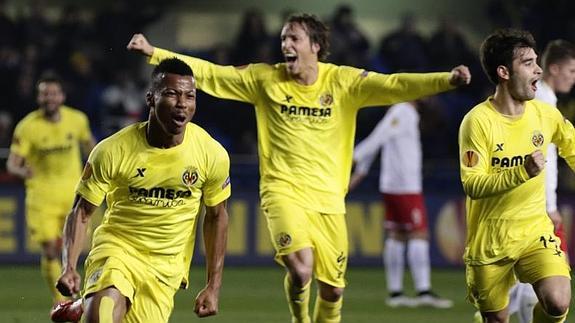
317, 31
500, 47
557, 51
170, 66
50, 77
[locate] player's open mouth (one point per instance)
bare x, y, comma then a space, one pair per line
290, 58
179, 119
534, 85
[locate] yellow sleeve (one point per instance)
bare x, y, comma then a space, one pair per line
474, 159
225, 82
217, 187
20, 143
97, 175
564, 139
374, 89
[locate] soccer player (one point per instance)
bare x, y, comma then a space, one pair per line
306, 112
558, 63
46, 152
502, 143
396, 136
155, 175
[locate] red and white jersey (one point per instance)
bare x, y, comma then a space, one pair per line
546, 94
397, 137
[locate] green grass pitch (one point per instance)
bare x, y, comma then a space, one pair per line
253, 295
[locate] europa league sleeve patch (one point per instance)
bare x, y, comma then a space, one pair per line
470, 158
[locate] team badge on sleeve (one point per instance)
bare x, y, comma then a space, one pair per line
190, 176
470, 158
226, 183
537, 139
284, 239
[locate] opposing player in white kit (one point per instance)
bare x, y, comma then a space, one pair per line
397, 137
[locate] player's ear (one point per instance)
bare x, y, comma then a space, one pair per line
503, 72
150, 99
315, 47
553, 69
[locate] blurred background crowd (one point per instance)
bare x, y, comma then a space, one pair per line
85, 45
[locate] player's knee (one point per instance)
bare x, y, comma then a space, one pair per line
556, 304
330, 293
300, 274
105, 306
497, 318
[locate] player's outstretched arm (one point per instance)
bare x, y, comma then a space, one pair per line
215, 239
460, 75
75, 230
140, 44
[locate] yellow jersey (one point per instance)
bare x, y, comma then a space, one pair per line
506, 208
52, 150
154, 195
306, 133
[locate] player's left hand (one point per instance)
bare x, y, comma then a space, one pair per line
207, 302
460, 75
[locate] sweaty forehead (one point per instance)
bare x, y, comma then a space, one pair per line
293, 28
182, 82
524, 53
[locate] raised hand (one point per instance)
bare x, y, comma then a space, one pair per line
139, 43
460, 75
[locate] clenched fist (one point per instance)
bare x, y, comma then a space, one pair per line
139, 43
534, 163
460, 75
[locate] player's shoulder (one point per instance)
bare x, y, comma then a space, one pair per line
28, 126
481, 110
545, 110
73, 116
343, 71
125, 137
264, 70
540, 105
403, 108
30, 118
201, 136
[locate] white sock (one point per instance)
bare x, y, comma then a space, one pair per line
393, 259
527, 302
418, 259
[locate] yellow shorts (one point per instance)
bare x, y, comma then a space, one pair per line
136, 276
488, 285
45, 222
293, 228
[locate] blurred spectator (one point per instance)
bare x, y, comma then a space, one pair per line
404, 48
234, 123
251, 44
8, 30
117, 23
448, 47
122, 102
348, 44
6, 124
